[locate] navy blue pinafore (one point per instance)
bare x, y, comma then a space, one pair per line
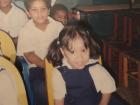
80, 86
81, 89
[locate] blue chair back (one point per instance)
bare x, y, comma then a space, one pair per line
22, 65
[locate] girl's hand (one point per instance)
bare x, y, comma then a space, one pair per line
105, 99
59, 102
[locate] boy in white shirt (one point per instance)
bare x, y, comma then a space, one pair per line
12, 18
33, 43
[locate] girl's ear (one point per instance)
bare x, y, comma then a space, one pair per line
64, 57
62, 52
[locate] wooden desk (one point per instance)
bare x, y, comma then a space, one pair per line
133, 56
114, 9
106, 7
136, 5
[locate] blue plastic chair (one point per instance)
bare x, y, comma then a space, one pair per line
22, 65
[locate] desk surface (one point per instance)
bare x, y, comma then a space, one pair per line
106, 7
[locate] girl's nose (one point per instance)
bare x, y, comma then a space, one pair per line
80, 57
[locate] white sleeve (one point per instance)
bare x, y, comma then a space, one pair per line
103, 81
59, 87
24, 43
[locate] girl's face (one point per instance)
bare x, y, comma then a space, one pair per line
78, 57
38, 11
61, 16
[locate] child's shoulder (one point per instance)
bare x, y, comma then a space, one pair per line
96, 66
28, 26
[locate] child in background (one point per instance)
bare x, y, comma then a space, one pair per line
33, 43
78, 78
12, 18
60, 13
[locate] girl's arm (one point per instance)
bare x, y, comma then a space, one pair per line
105, 99
59, 102
59, 88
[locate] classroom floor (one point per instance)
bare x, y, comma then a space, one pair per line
129, 94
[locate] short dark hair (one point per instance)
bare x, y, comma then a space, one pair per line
28, 3
58, 7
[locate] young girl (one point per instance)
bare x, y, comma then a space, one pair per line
78, 78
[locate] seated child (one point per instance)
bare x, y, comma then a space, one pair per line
78, 78
33, 42
12, 18
60, 13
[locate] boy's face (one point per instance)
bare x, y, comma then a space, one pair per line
5, 3
61, 16
38, 12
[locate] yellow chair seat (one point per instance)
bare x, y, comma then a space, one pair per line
7, 47
22, 98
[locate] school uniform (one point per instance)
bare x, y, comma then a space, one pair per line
13, 21
82, 87
33, 39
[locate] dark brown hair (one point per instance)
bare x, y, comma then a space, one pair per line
28, 3
70, 32
58, 7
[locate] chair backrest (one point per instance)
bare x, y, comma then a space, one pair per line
48, 73
100, 60
22, 66
7, 47
21, 93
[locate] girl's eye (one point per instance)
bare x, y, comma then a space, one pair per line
34, 9
72, 52
44, 8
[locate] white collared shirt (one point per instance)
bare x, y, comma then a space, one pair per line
13, 21
32, 39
